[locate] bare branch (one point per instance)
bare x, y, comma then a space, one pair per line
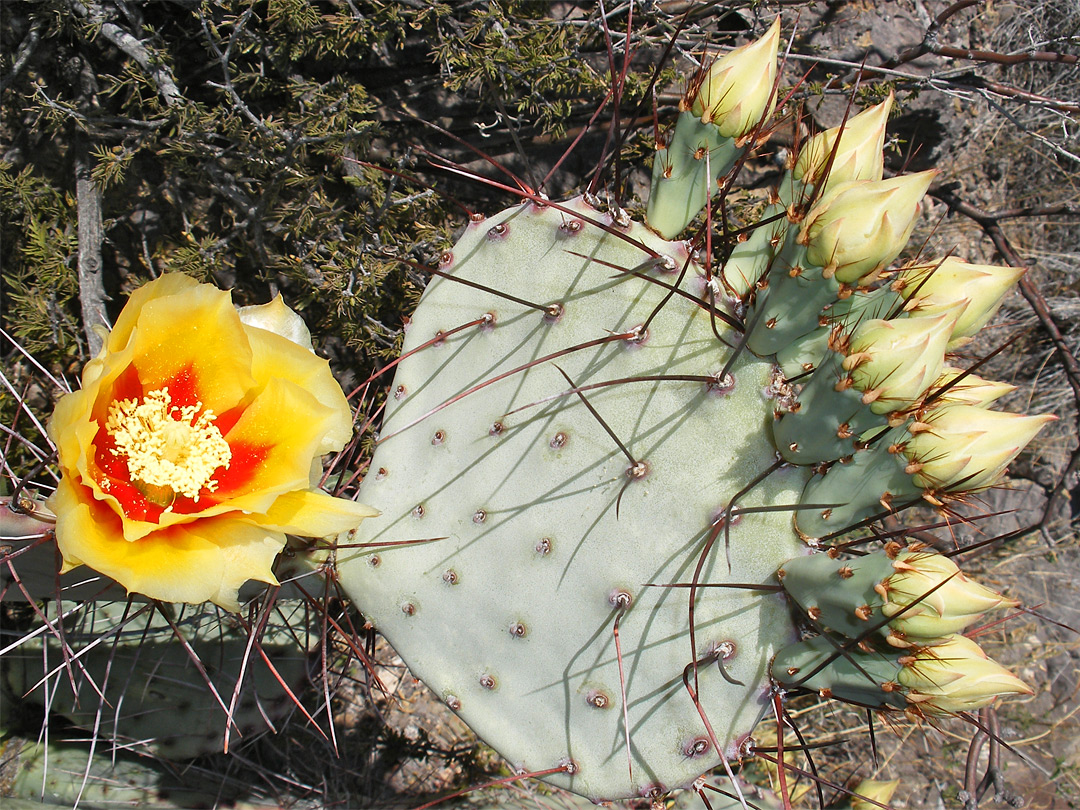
154, 67
91, 235
26, 50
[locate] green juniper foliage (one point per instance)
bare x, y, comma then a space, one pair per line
232, 141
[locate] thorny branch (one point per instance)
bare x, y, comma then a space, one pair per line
964, 80
974, 786
990, 223
92, 295
26, 50
930, 44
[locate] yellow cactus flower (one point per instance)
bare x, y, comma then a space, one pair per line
739, 88
965, 447
193, 446
858, 227
933, 288
955, 675
933, 597
858, 156
893, 362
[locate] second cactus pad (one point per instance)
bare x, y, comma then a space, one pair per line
546, 472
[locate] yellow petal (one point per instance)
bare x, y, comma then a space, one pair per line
205, 560
273, 355
167, 285
278, 318
274, 443
313, 514
197, 333
738, 90
858, 155
69, 419
874, 791
284, 426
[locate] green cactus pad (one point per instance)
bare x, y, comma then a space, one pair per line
805, 353
151, 691
838, 594
765, 246
535, 533
687, 173
828, 421
792, 304
821, 665
857, 490
59, 776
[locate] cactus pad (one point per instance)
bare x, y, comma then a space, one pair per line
540, 531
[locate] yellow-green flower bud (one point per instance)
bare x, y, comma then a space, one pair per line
933, 288
930, 597
873, 790
858, 157
739, 90
894, 362
956, 676
860, 226
965, 447
972, 390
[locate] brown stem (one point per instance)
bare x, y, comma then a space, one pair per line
1005, 58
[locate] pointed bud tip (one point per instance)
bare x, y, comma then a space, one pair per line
738, 89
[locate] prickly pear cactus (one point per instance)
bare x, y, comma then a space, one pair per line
130, 677
54, 776
560, 462
599, 460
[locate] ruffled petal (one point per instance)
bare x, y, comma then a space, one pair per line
311, 513
167, 285
195, 345
70, 428
273, 401
276, 356
276, 317
207, 560
273, 443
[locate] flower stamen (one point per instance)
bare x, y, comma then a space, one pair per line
171, 450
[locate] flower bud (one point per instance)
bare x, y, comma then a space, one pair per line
933, 288
860, 226
930, 597
858, 157
874, 790
894, 362
956, 676
966, 448
971, 390
738, 90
